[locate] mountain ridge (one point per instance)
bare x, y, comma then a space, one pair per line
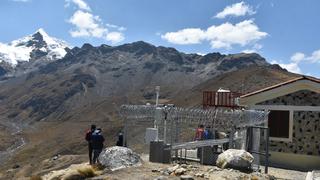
26, 53
53, 102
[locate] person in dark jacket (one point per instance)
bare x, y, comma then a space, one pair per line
88, 139
208, 133
97, 144
120, 139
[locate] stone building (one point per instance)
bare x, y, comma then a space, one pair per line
294, 121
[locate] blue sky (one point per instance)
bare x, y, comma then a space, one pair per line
284, 32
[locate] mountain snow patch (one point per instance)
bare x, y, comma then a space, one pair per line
22, 49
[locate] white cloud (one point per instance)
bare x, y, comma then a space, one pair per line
292, 67
238, 9
80, 3
119, 28
185, 36
297, 57
315, 57
115, 37
223, 36
88, 25
227, 34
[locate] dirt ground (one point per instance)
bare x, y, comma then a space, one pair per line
150, 170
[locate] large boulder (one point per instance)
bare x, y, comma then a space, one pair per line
117, 157
236, 159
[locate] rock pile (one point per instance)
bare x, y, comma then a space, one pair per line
190, 172
236, 159
117, 157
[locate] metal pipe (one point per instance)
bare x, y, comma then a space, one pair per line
267, 152
157, 95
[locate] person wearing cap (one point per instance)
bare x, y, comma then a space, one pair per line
88, 139
97, 144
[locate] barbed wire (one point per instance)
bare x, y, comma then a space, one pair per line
217, 118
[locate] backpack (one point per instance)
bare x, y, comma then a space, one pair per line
88, 135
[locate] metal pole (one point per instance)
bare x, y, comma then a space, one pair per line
165, 126
231, 138
185, 155
267, 153
157, 95
157, 103
125, 137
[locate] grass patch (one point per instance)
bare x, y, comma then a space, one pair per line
87, 172
36, 178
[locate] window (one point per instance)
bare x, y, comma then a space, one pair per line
279, 124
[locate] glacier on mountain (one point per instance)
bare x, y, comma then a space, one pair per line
21, 50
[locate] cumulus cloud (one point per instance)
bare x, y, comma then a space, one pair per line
80, 3
223, 36
115, 37
88, 25
185, 36
238, 9
292, 67
298, 58
315, 56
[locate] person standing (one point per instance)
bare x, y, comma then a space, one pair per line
199, 137
120, 139
208, 133
97, 144
88, 139
199, 133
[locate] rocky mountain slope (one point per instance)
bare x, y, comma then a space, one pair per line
56, 101
25, 54
129, 72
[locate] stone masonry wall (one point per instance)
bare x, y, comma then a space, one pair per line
305, 136
299, 98
306, 124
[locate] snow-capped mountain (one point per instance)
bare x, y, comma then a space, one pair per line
34, 48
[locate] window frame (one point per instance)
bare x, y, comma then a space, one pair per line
289, 139
291, 110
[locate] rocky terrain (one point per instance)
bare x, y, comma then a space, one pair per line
76, 166
49, 106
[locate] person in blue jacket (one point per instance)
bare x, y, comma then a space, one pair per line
208, 133
97, 141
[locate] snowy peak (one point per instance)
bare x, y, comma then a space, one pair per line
37, 46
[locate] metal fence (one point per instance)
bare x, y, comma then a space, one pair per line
177, 125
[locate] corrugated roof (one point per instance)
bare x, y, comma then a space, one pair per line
282, 84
